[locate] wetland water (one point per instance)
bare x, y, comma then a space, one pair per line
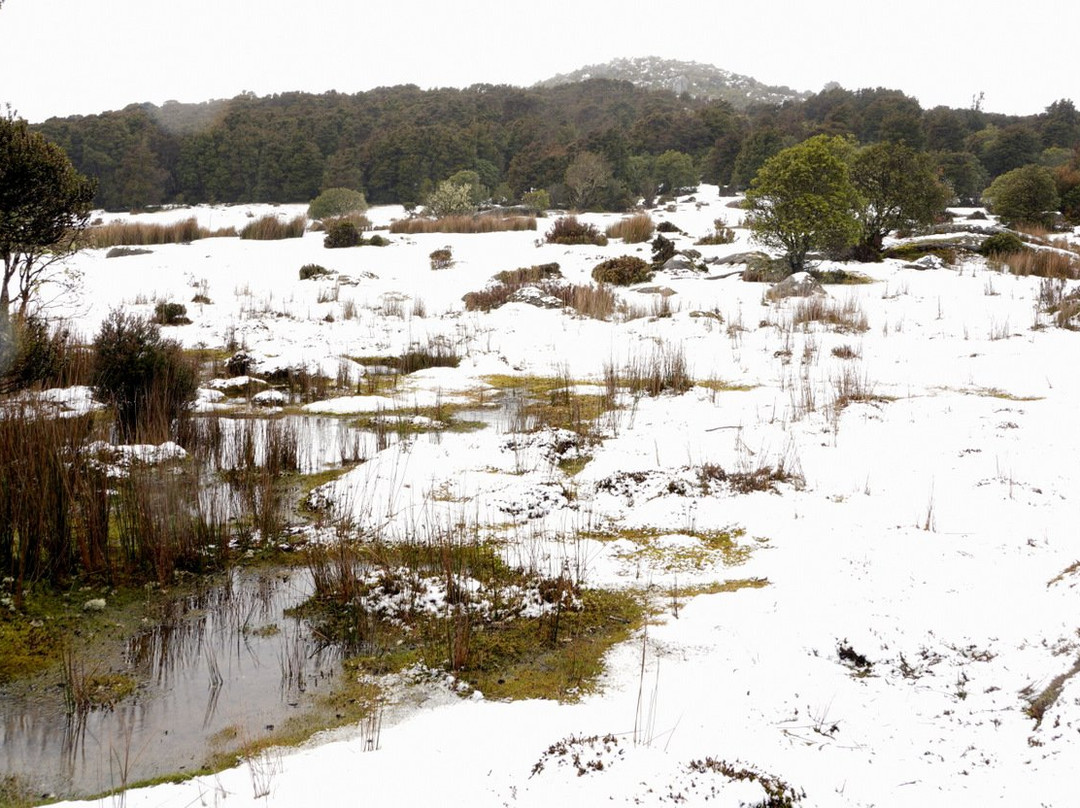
224, 665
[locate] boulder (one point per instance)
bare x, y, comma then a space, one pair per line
800, 284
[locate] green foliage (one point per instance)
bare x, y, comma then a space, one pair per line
170, 314
1024, 195
675, 171
44, 207
622, 271
336, 202
30, 352
898, 189
308, 271
145, 378
450, 199
341, 233
964, 174
803, 199
538, 201
571, 230
1003, 243
663, 249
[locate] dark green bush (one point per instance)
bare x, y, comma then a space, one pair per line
378, 241
30, 352
662, 250
569, 230
341, 233
146, 379
170, 314
308, 271
1002, 243
622, 271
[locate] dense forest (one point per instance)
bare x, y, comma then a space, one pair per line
396, 144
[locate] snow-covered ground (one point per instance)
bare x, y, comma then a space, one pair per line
928, 530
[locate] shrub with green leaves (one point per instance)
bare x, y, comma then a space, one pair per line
1003, 243
341, 233
570, 230
622, 271
170, 314
309, 271
145, 378
337, 202
1024, 195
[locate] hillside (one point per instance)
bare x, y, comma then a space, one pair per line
697, 79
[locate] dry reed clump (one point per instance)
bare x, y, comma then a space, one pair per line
632, 230
721, 234
664, 371
142, 234
464, 224
526, 275
1064, 306
1043, 263
271, 228
597, 302
847, 316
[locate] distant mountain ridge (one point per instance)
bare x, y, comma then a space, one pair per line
697, 79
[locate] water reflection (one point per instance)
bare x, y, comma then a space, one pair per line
224, 663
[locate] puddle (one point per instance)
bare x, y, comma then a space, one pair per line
224, 666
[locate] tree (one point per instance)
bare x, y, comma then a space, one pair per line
803, 199
675, 171
450, 199
1026, 194
587, 178
44, 207
899, 188
336, 202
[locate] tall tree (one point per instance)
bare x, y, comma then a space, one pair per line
44, 206
899, 188
803, 199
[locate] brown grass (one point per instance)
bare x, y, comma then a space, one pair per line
1044, 263
632, 230
271, 228
464, 224
141, 234
847, 316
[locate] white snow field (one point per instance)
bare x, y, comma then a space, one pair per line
918, 572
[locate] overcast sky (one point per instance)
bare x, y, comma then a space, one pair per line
65, 57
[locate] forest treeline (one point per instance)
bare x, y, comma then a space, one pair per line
396, 144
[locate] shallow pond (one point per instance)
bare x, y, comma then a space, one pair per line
224, 665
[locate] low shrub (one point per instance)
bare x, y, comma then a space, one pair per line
442, 258
1002, 243
721, 234
667, 227
622, 271
632, 230
663, 250
171, 314
146, 379
271, 228
32, 352
309, 271
569, 230
120, 252
524, 275
341, 233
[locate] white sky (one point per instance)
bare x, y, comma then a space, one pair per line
65, 57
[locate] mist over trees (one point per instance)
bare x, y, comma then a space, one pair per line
594, 144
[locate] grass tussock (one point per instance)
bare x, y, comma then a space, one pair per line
271, 228
143, 234
844, 317
464, 224
571, 230
633, 229
1043, 263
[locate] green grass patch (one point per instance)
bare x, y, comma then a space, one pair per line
679, 551
721, 386
718, 587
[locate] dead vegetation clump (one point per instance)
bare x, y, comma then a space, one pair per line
463, 224
143, 234
844, 317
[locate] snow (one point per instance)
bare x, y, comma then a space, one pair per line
930, 527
